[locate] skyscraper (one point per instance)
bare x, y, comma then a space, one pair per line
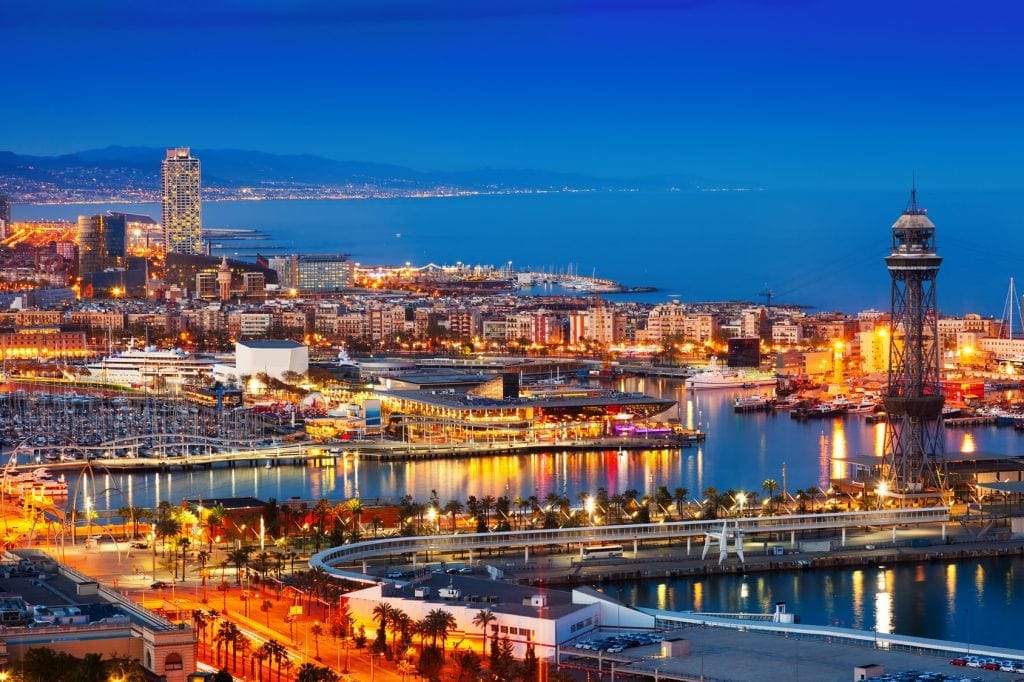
181, 202
5, 215
115, 231
90, 246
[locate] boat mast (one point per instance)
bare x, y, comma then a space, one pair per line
1011, 301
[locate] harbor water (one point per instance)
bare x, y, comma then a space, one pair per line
963, 601
740, 452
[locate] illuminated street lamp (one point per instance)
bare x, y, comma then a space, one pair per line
881, 491
432, 517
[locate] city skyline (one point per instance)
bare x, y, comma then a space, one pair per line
801, 95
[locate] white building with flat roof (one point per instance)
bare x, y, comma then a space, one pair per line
273, 357
526, 616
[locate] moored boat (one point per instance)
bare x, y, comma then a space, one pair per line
715, 376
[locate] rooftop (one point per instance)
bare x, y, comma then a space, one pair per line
276, 344
462, 400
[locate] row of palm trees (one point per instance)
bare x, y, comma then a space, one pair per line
437, 625
336, 523
226, 639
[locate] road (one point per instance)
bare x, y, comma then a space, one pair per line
130, 572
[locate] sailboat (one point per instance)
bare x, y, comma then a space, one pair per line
1012, 352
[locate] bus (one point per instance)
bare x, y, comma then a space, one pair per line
602, 551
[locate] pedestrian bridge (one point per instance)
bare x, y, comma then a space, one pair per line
328, 559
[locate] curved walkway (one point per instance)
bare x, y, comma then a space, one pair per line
328, 559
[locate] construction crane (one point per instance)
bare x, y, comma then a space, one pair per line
768, 296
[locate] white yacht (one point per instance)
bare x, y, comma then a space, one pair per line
150, 366
716, 376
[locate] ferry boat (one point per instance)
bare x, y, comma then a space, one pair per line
141, 367
717, 377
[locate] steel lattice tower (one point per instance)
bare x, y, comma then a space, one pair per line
914, 459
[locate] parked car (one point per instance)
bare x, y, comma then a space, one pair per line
159, 585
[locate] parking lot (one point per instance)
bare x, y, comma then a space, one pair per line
724, 654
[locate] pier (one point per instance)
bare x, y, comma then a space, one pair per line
27, 458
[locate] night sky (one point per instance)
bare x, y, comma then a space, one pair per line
779, 94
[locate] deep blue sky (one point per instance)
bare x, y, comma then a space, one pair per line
780, 94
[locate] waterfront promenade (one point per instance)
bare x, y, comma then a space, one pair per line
29, 458
629, 537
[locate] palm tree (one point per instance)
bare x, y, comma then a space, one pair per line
399, 624
239, 557
813, 492
483, 620
214, 521
309, 672
130, 514
679, 495
711, 502
264, 653
235, 635
287, 664
439, 623
616, 503
662, 497
631, 496
316, 629
245, 644
382, 613
770, 486
222, 637
355, 508
521, 504
320, 512
279, 653
486, 505
453, 507
469, 666
200, 621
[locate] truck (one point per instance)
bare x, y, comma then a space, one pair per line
449, 593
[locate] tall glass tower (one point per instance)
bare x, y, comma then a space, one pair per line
181, 202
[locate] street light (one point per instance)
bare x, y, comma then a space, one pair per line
742, 499
432, 517
588, 505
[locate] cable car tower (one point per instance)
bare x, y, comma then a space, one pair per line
914, 461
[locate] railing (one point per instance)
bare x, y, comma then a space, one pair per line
329, 558
869, 638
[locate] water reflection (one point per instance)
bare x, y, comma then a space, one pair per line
741, 451
925, 600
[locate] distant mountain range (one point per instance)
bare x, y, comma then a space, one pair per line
133, 174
